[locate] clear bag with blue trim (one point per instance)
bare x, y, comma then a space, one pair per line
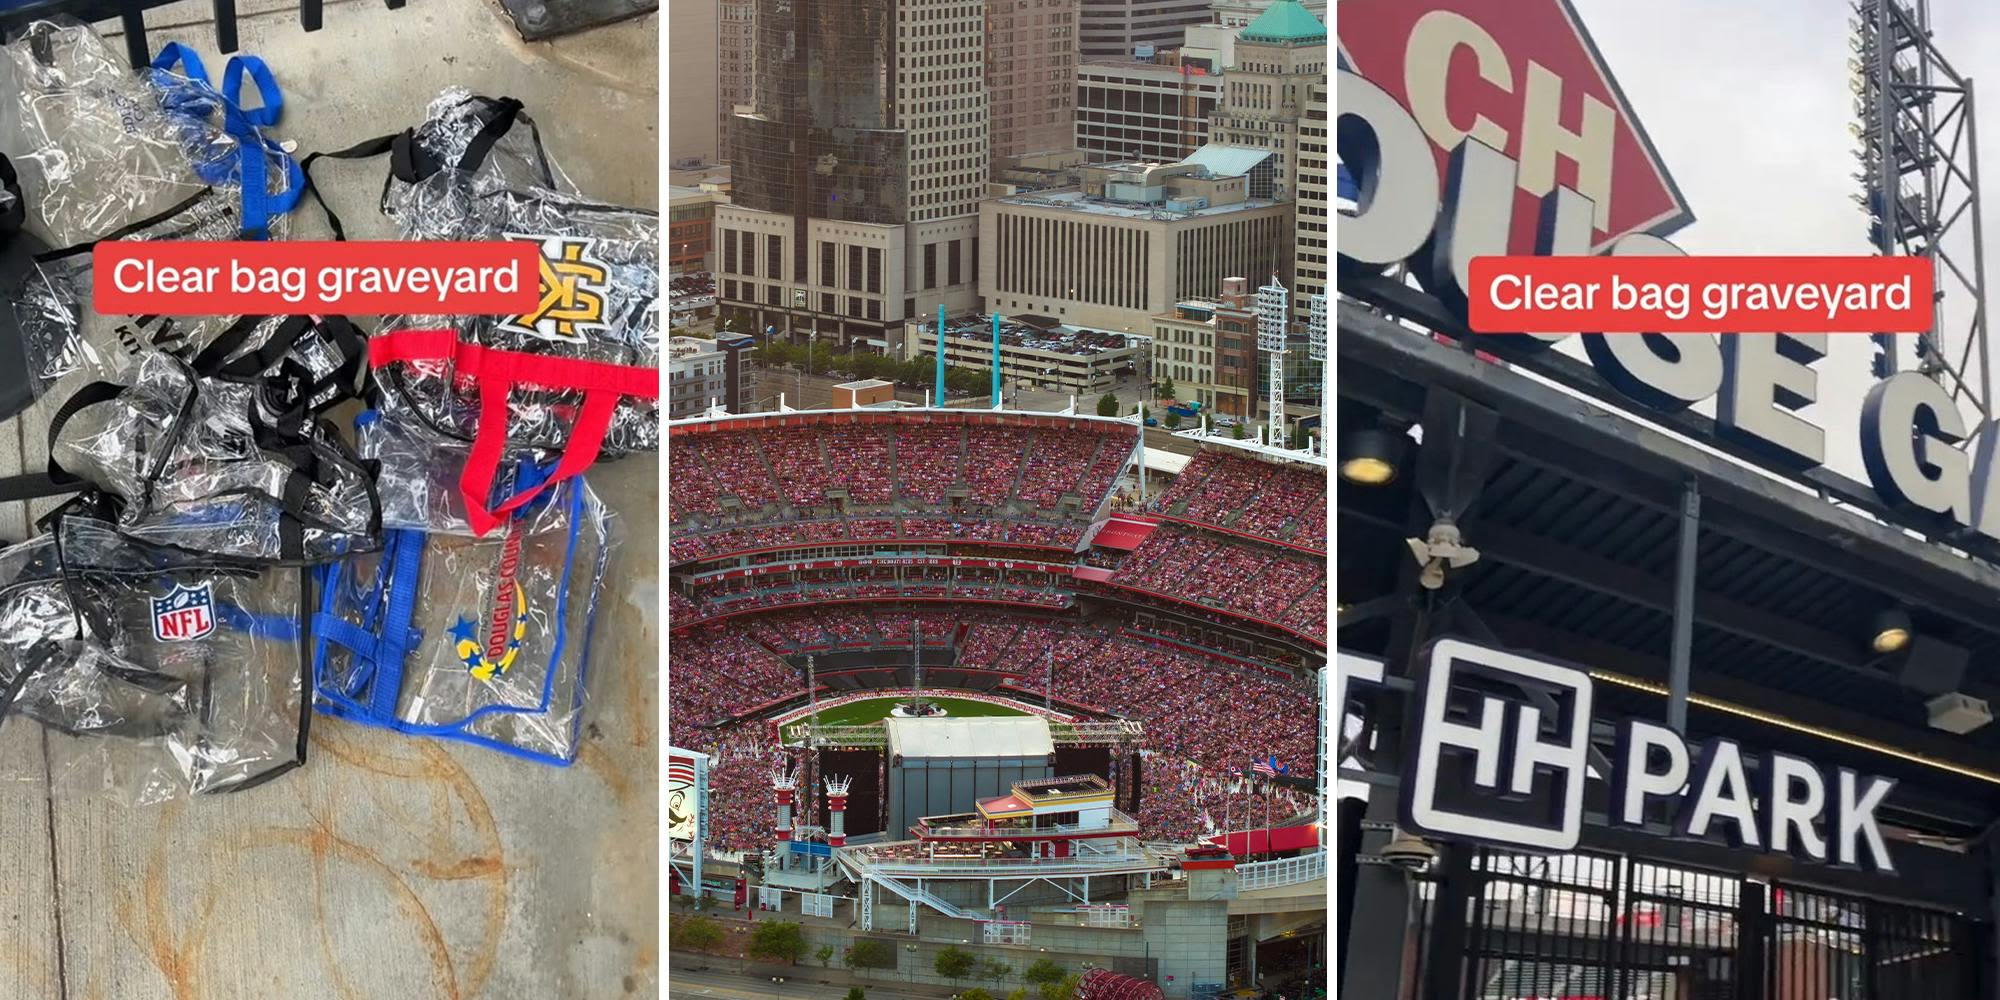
485, 640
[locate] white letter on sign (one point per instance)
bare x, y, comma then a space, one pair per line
1434, 39
1721, 790
1854, 814
1785, 814
1634, 782
1395, 171
1543, 136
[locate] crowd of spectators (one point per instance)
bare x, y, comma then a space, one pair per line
717, 673
1275, 500
733, 490
1207, 717
1267, 582
1184, 802
832, 585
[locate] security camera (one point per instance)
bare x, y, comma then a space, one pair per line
1411, 854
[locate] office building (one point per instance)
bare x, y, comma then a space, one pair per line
857, 172
734, 57
1031, 53
1153, 111
1123, 29
691, 229
703, 373
1311, 205
691, 129
1238, 13
1125, 243
1277, 59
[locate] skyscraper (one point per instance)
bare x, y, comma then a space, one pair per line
1111, 29
857, 174
1311, 205
1031, 50
690, 128
735, 54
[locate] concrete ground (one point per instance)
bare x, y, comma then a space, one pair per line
388, 866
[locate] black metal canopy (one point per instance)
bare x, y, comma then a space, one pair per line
1577, 516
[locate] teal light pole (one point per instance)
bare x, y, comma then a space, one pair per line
996, 360
940, 355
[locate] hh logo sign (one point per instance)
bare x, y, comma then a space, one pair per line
187, 613
1502, 750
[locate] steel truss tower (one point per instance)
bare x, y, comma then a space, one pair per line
1918, 147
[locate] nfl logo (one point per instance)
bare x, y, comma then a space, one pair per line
187, 613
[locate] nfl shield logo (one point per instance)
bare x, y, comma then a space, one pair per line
187, 613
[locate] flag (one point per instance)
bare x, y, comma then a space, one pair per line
1266, 768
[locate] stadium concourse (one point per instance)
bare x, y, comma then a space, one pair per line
855, 536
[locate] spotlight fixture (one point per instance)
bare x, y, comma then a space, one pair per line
1890, 630
1368, 456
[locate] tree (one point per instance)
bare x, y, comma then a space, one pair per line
976, 993
779, 941
869, 954
695, 933
1018, 993
955, 963
1167, 388
1107, 405
825, 955
993, 971
1173, 420
856, 993
1063, 989
1236, 431
1043, 971
962, 380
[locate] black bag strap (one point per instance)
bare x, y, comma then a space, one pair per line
364, 150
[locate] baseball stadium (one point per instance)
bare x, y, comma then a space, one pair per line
1004, 680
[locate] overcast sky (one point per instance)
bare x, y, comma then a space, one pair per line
1748, 105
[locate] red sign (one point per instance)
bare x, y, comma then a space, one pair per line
1523, 77
203, 278
1702, 294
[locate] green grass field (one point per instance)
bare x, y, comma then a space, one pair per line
862, 713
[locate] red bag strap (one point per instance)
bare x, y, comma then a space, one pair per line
495, 373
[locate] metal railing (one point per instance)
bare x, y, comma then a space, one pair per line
131, 15
1283, 871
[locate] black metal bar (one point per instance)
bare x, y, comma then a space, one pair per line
1683, 649
225, 26
310, 14
1448, 953
134, 19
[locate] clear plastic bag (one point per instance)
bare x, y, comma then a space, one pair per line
157, 674
452, 125
484, 640
608, 259
195, 465
95, 151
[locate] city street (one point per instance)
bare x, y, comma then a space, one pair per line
713, 984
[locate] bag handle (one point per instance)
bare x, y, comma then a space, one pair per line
495, 373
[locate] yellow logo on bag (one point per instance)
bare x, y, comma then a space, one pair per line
574, 284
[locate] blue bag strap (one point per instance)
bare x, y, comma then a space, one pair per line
272, 98
174, 53
397, 636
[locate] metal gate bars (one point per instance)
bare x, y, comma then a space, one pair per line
1492, 925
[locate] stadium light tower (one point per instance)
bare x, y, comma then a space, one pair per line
1917, 142
1271, 313
940, 357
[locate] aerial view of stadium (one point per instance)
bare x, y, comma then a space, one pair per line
980, 698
